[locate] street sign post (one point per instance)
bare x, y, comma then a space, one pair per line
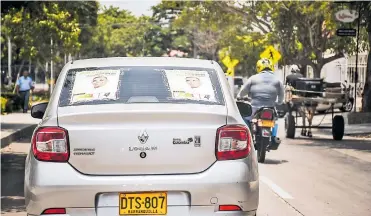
272, 54
346, 15
349, 16
346, 32
230, 64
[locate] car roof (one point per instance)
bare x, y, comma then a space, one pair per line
142, 61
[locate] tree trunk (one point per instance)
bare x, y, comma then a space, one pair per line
18, 74
194, 50
29, 65
316, 72
303, 70
20, 68
366, 98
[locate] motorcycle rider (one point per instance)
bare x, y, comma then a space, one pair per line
295, 75
263, 89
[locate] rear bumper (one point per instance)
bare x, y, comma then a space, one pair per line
176, 211
58, 185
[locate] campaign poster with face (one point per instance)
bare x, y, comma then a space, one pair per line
95, 85
191, 85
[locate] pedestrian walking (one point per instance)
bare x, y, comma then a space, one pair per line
23, 87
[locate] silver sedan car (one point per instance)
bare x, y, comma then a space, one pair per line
141, 136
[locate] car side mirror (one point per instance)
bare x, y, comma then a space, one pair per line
38, 110
244, 108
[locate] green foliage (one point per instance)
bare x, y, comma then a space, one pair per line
118, 33
31, 27
304, 31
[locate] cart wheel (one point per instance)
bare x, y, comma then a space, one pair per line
338, 127
290, 126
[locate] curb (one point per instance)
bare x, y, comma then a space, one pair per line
24, 132
357, 134
329, 133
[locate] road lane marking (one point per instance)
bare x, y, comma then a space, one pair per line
275, 188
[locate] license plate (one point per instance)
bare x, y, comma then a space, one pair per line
267, 123
266, 133
143, 203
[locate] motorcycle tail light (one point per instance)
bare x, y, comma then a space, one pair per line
267, 115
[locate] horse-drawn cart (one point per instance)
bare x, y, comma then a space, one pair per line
303, 100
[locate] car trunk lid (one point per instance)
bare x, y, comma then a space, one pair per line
133, 139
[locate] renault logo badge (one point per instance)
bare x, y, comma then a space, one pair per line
143, 137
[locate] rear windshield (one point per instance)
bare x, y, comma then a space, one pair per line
110, 85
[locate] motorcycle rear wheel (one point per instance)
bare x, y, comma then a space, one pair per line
262, 143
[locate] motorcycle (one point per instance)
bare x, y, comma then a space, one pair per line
262, 128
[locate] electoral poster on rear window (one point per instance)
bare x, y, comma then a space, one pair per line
191, 85
95, 85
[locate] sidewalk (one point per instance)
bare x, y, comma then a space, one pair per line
15, 126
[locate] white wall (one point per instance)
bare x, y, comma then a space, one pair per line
335, 71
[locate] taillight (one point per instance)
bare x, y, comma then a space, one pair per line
233, 142
229, 208
55, 211
266, 115
51, 144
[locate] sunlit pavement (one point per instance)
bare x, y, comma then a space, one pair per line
304, 176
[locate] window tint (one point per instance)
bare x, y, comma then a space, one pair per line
88, 86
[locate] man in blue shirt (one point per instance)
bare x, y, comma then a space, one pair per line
23, 86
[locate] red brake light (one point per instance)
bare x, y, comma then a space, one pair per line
50, 144
229, 208
233, 142
55, 211
266, 114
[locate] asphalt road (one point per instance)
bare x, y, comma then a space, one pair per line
317, 176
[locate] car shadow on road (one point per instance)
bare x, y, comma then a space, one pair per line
274, 162
12, 181
347, 143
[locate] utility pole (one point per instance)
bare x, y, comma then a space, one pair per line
357, 50
231, 78
9, 60
51, 67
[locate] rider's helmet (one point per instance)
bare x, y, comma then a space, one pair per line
264, 64
295, 69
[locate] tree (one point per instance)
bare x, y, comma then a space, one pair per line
118, 33
169, 36
365, 16
86, 13
31, 27
206, 25
305, 31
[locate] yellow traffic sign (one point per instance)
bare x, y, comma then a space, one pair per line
230, 72
230, 64
272, 54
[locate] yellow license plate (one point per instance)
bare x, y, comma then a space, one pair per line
143, 203
267, 123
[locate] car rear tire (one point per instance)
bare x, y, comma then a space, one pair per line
338, 127
290, 126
